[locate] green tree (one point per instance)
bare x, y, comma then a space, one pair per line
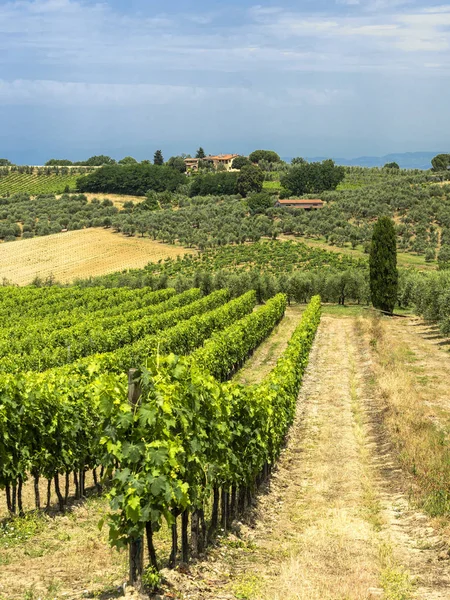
392, 165
383, 265
158, 158
177, 162
239, 162
312, 178
250, 179
135, 180
298, 160
260, 202
57, 162
98, 161
150, 202
268, 155
444, 257
441, 162
128, 160
200, 153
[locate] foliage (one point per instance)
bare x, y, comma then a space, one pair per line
177, 162
158, 158
46, 215
383, 265
313, 178
98, 161
51, 422
61, 162
298, 160
214, 184
127, 160
441, 162
250, 179
190, 433
131, 179
239, 162
200, 153
264, 155
391, 165
260, 202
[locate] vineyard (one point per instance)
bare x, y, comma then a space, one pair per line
39, 180
64, 414
129, 407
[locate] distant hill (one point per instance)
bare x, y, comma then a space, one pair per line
407, 160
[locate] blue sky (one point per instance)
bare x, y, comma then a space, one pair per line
305, 77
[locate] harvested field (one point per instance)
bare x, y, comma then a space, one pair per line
76, 254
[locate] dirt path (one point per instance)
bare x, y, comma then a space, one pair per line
335, 523
267, 354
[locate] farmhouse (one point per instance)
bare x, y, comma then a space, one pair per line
305, 204
226, 160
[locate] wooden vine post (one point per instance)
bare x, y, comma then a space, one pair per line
136, 547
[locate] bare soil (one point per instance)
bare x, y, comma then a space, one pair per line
79, 254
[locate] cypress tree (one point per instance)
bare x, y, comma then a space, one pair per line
383, 265
158, 158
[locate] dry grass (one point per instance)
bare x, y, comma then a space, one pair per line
79, 254
413, 378
116, 199
66, 556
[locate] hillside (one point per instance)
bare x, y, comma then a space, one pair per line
78, 254
405, 160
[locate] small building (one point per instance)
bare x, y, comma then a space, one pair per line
305, 204
225, 160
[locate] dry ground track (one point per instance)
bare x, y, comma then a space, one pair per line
336, 523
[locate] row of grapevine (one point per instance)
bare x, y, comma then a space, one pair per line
51, 423
33, 183
41, 325
94, 336
226, 351
65, 330
190, 437
52, 301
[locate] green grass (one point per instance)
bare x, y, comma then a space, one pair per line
272, 185
33, 184
351, 310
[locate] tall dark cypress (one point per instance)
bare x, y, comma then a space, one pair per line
383, 265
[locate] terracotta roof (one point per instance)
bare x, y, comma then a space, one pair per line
301, 201
221, 157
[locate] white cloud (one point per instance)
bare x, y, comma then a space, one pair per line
60, 37
57, 93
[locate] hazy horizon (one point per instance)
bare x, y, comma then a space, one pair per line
341, 78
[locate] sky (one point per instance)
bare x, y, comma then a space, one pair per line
306, 77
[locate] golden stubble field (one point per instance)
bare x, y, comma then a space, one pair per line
79, 254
